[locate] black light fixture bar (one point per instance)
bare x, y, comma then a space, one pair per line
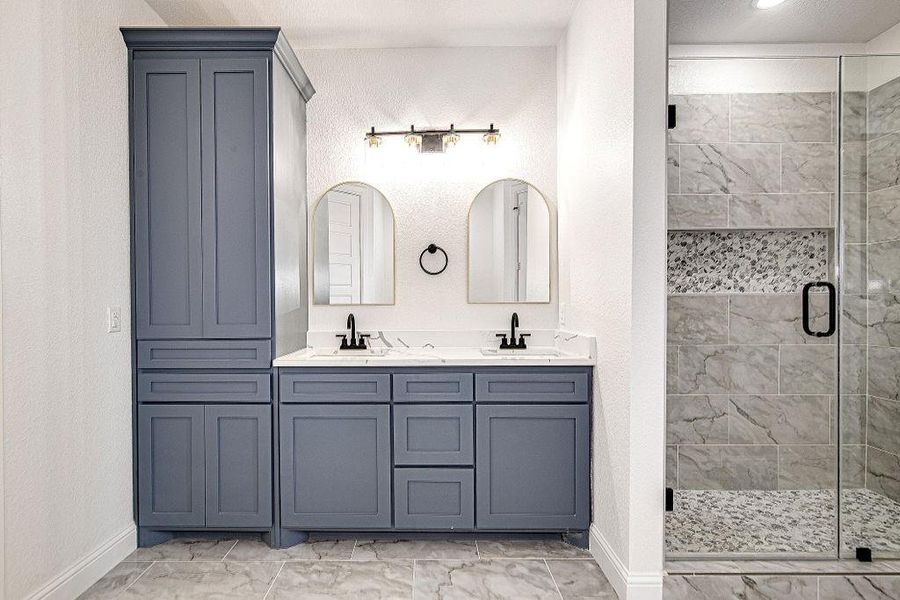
413, 130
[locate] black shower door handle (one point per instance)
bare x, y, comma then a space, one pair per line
832, 309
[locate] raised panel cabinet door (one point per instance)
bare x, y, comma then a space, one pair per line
170, 466
237, 297
166, 183
335, 466
238, 466
533, 467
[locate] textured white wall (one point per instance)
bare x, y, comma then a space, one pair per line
393, 88
752, 75
64, 233
612, 266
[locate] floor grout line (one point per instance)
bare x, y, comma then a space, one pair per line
553, 579
230, 549
122, 591
271, 585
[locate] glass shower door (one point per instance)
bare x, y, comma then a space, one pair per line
870, 315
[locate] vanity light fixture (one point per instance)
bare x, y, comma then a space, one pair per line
429, 141
765, 4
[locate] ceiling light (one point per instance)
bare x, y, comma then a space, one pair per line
764, 4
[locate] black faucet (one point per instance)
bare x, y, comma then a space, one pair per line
512, 343
356, 342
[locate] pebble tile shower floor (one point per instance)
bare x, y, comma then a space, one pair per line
350, 569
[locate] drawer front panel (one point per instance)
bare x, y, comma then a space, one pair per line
433, 435
328, 388
204, 387
433, 387
204, 354
434, 499
525, 386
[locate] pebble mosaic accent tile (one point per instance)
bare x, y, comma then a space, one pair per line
795, 521
745, 261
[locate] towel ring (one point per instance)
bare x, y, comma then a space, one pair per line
431, 249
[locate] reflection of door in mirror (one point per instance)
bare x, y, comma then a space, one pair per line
344, 245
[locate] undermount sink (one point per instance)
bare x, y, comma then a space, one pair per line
526, 352
331, 352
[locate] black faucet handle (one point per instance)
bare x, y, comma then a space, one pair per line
343, 337
522, 337
504, 343
361, 344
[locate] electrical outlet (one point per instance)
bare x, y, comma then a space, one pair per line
113, 319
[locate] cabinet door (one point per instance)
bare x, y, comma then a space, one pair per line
170, 458
235, 140
238, 466
335, 466
533, 467
166, 180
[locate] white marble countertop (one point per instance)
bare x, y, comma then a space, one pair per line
424, 357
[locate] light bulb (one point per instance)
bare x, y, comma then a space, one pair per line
373, 140
765, 4
414, 140
451, 139
491, 138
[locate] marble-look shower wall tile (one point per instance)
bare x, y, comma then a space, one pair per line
780, 210
859, 587
696, 419
774, 318
671, 368
853, 117
798, 117
807, 467
883, 473
730, 168
884, 372
884, 214
807, 369
854, 318
853, 217
884, 108
673, 176
697, 320
745, 261
701, 118
884, 425
779, 420
883, 162
853, 368
672, 466
884, 267
688, 211
720, 587
884, 320
854, 280
808, 168
728, 369
728, 467
854, 167
853, 419
853, 466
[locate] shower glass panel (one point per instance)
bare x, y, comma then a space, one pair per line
752, 404
870, 298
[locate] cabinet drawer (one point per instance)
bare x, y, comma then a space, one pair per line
433, 387
204, 387
204, 354
326, 388
434, 499
525, 386
433, 435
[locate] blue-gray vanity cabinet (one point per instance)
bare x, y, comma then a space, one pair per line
171, 485
433, 386
326, 388
335, 466
533, 385
434, 499
166, 189
204, 354
238, 466
533, 469
433, 434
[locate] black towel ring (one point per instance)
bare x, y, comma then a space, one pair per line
431, 249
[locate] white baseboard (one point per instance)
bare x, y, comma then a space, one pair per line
629, 586
83, 574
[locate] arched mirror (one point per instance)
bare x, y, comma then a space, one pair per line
509, 244
353, 246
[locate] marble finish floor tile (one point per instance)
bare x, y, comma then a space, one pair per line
872, 587
490, 549
720, 587
581, 580
116, 581
414, 549
256, 550
345, 580
494, 579
220, 580
184, 549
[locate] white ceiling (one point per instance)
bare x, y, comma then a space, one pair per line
385, 23
795, 21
